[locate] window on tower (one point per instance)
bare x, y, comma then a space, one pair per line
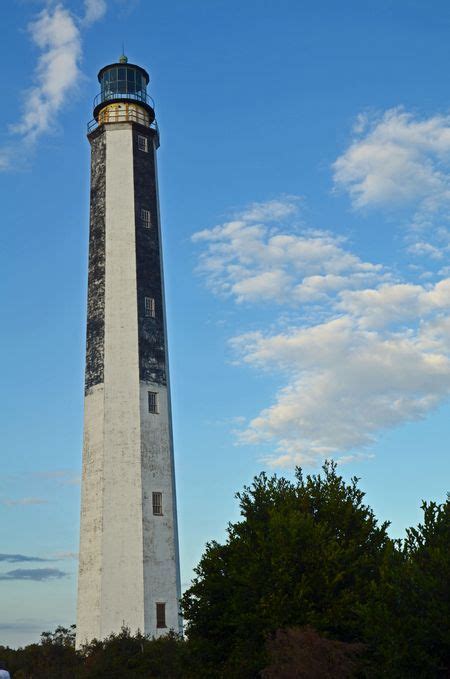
142, 143
146, 218
160, 615
153, 405
157, 504
149, 307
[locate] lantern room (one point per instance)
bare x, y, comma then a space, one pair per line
123, 86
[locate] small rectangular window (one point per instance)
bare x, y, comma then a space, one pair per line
150, 307
142, 143
153, 402
161, 616
157, 504
146, 218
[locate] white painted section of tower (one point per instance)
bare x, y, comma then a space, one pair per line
90, 565
122, 574
173, 576
128, 556
160, 557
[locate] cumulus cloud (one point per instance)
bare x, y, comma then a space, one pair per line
33, 574
345, 385
271, 210
397, 159
394, 304
262, 255
376, 357
401, 162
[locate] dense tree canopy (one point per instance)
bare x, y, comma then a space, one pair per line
408, 615
304, 553
307, 584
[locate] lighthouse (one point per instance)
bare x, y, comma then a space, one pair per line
129, 564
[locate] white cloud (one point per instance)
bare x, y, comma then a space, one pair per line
94, 10
395, 303
56, 32
57, 73
261, 255
424, 249
266, 285
397, 159
345, 385
376, 356
271, 210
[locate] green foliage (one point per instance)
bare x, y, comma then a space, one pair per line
55, 657
133, 656
304, 553
120, 655
307, 584
408, 619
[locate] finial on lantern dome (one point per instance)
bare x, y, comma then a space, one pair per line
123, 59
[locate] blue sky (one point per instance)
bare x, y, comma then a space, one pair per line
304, 176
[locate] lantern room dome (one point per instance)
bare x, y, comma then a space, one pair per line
120, 82
123, 78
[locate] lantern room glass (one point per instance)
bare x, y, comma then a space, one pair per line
123, 80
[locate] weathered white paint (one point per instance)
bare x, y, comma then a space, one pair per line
90, 565
128, 557
160, 556
173, 622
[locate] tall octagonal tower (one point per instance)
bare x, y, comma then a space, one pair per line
129, 567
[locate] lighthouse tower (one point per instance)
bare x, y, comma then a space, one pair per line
129, 568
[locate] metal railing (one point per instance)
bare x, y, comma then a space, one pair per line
115, 96
122, 115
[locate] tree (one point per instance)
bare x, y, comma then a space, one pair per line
301, 653
307, 584
134, 656
304, 553
54, 657
119, 655
408, 619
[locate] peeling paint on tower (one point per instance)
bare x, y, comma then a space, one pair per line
129, 563
95, 334
152, 354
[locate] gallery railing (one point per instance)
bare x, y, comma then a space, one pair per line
123, 114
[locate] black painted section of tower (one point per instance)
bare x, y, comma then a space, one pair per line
152, 352
95, 336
